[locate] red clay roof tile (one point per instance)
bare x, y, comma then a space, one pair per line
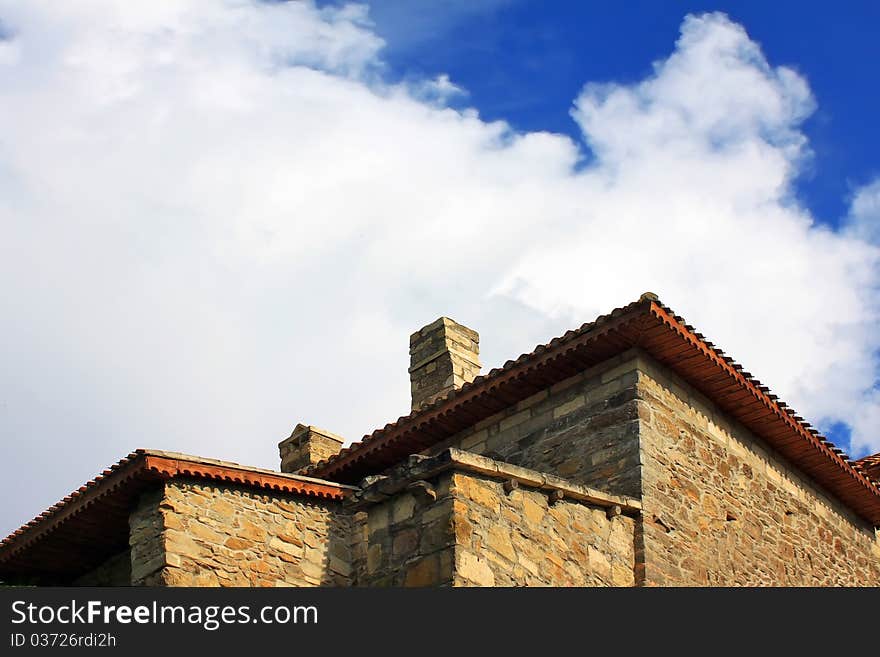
99, 509
870, 465
653, 327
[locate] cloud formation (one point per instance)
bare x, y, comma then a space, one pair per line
863, 220
222, 218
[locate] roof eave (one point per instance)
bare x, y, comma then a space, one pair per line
646, 324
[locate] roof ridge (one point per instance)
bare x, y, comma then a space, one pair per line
788, 410
644, 299
768, 417
141, 454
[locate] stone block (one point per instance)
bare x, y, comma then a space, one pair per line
478, 491
405, 543
474, 439
235, 543
402, 508
252, 532
276, 543
473, 569
569, 406
374, 558
515, 419
498, 538
440, 509
600, 565
424, 572
533, 511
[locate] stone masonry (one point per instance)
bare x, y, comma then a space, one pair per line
192, 534
306, 446
409, 538
526, 538
585, 428
457, 519
721, 508
622, 474
463, 520
444, 355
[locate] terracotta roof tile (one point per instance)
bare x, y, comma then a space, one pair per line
870, 466
480, 382
649, 325
101, 505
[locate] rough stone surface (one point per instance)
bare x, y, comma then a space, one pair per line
518, 539
584, 429
307, 445
721, 508
477, 534
146, 525
444, 355
193, 534
712, 505
408, 542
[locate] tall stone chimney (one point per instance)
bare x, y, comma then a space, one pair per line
444, 355
306, 446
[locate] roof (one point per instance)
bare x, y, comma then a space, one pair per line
646, 324
64, 539
870, 465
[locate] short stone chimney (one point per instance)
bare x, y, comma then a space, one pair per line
443, 356
306, 446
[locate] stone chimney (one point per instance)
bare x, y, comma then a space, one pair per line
306, 446
444, 355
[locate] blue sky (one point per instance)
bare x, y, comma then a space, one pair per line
220, 219
524, 62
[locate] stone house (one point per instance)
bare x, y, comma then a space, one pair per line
627, 452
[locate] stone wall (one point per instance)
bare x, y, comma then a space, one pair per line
465, 520
146, 526
519, 539
704, 503
189, 533
409, 540
115, 571
721, 508
584, 429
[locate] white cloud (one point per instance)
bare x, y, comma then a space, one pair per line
692, 198
863, 220
439, 90
218, 220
